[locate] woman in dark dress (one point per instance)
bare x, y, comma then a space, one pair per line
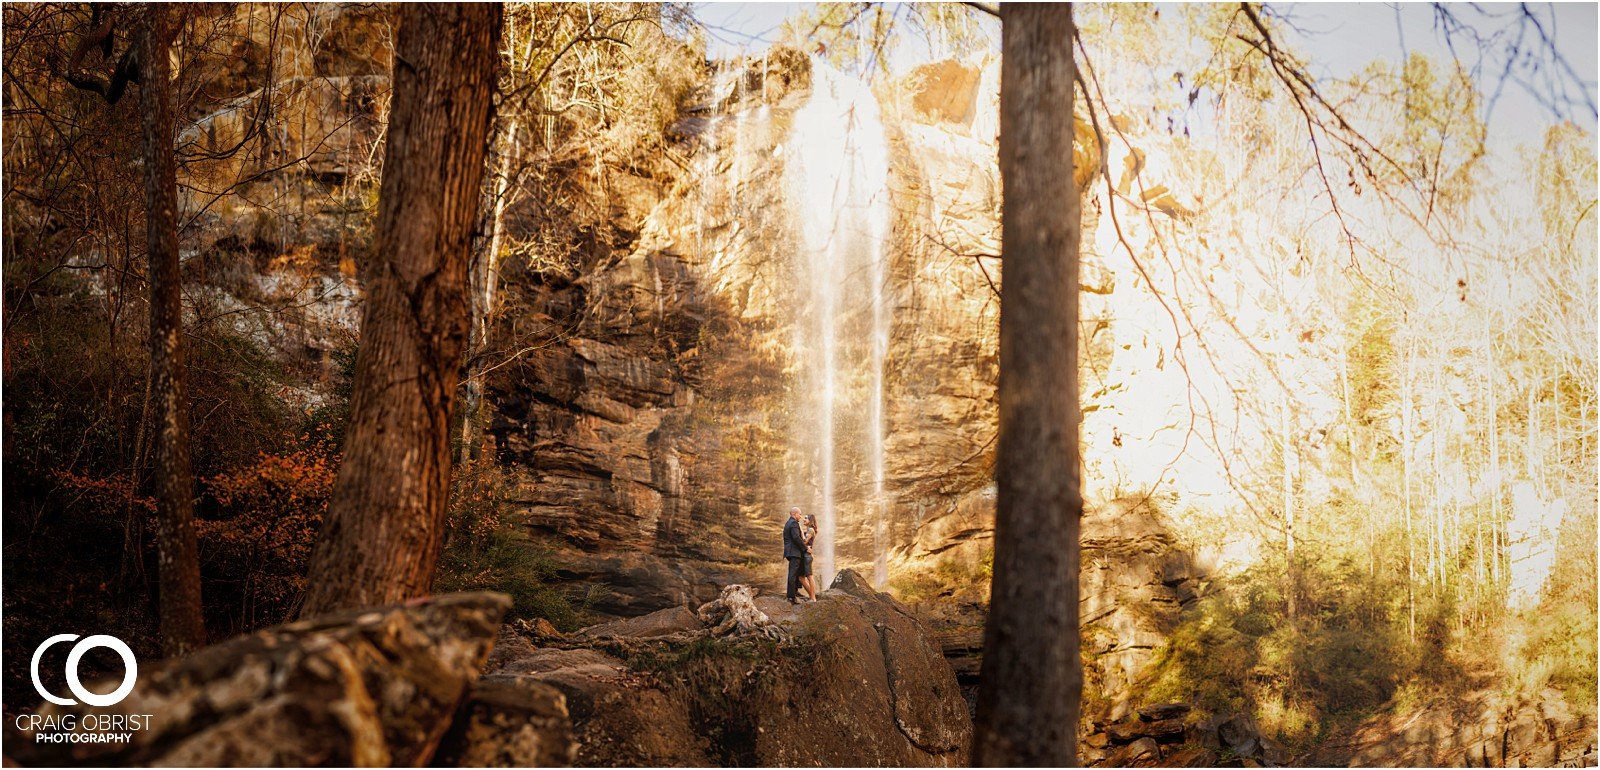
809, 583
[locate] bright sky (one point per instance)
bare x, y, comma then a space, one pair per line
1342, 38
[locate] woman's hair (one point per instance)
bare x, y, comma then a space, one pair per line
811, 518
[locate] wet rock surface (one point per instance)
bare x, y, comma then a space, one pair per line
857, 681
367, 687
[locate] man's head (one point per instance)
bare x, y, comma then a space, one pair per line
794, 513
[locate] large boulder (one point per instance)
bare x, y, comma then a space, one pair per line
856, 680
619, 716
370, 687
1170, 735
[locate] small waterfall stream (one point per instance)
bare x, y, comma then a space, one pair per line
838, 170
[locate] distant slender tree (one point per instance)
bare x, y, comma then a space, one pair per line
182, 629
386, 519
1028, 703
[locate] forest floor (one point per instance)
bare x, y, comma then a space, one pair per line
1472, 721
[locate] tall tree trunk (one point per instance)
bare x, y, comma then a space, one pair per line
1028, 704
386, 518
182, 628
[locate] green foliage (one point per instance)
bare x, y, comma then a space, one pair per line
1559, 648
485, 552
950, 577
1339, 657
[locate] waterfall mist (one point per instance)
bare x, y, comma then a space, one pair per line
838, 168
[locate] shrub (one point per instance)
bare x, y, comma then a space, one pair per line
258, 541
1340, 656
483, 551
1559, 649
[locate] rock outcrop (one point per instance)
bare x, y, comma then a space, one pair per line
510, 723
858, 681
362, 688
1170, 735
1135, 583
1479, 729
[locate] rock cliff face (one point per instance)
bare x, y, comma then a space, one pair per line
653, 439
643, 425
645, 395
278, 179
1137, 579
657, 433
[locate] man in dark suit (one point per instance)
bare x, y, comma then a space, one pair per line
794, 551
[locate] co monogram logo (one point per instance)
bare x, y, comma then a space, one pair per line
73, 658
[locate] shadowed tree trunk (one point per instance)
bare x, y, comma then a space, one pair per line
1028, 704
386, 519
182, 629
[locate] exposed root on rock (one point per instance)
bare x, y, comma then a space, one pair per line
734, 613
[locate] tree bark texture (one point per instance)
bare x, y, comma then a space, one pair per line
386, 519
1032, 679
182, 628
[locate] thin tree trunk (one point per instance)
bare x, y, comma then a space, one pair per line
1405, 466
1440, 556
182, 628
1531, 454
1489, 374
1289, 461
485, 284
1356, 491
1028, 704
386, 518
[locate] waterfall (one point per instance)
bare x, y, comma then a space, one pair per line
838, 168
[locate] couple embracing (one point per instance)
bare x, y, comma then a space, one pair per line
799, 533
